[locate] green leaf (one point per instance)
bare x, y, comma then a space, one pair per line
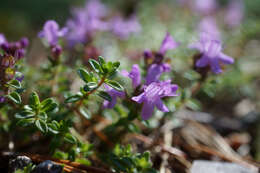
101, 60
15, 84
95, 65
84, 75
69, 138
90, 86
25, 122
54, 127
116, 65
41, 125
73, 98
85, 112
28, 108
115, 85
34, 100
104, 95
24, 114
15, 97
48, 106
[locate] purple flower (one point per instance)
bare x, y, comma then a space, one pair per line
24, 42
208, 25
157, 68
113, 94
2, 39
14, 49
134, 74
167, 44
51, 32
205, 6
155, 71
85, 22
2, 99
152, 96
123, 28
211, 54
235, 13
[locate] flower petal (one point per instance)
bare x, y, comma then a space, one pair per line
161, 106
202, 62
135, 75
154, 73
147, 110
139, 99
226, 59
214, 49
215, 67
168, 44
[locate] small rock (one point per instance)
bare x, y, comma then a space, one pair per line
19, 163
48, 167
200, 166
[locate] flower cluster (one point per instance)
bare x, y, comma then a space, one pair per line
153, 90
12, 52
85, 22
211, 53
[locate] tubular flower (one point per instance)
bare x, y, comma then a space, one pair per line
168, 44
155, 71
157, 68
51, 32
113, 94
152, 95
212, 55
134, 74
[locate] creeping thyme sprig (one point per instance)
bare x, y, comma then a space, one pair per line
104, 72
37, 113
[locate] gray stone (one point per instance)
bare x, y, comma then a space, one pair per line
200, 166
47, 167
19, 163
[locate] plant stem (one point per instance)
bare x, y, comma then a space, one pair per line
91, 92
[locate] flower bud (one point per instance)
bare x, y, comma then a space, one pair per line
2, 99
56, 51
24, 42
